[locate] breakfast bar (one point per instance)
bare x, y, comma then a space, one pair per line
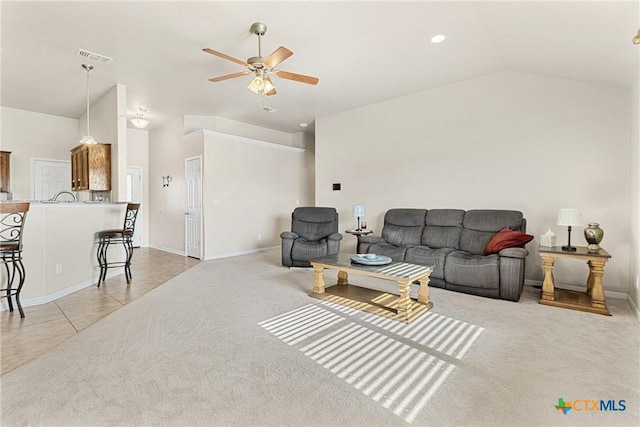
59, 243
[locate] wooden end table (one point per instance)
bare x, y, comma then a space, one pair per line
593, 301
359, 233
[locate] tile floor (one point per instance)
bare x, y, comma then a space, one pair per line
46, 326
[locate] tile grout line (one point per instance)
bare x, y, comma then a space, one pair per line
65, 316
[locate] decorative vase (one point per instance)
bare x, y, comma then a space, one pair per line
594, 234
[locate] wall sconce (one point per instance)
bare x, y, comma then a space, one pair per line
166, 180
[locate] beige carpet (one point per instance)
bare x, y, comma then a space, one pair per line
238, 341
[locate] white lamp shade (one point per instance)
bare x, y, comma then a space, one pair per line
569, 217
358, 211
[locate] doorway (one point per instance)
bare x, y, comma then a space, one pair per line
193, 209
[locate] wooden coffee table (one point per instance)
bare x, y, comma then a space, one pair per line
401, 307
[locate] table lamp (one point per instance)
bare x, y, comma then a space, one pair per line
569, 217
358, 212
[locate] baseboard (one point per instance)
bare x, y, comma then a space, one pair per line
232, 254
58, 294
225, 255
164, 249
634, 307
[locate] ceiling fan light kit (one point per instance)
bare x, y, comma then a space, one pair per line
260, 67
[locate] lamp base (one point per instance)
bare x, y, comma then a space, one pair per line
569, 248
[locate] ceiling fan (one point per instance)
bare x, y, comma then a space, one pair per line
261, 67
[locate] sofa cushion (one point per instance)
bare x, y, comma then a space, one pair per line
478, 271
313, 223
403, 227
394, 252
507, 238
428, 256
443, 228
305, 250
481, 225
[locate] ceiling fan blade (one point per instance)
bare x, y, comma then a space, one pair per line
278, 55
229, 76
297, 77
271, 92
224, 56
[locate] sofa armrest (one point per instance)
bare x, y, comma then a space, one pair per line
514, 253
289, 235
365, 242
333, 243
371, 239
334, 236
512, 263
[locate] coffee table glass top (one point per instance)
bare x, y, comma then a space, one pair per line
400, 270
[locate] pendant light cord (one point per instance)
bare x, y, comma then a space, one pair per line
88, 68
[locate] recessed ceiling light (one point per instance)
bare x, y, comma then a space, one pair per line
438, 39
303, 125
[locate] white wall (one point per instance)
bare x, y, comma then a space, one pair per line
250, 189
505, 141
634, 265
234, 127
108, 125
138, 155
166, 204
31, 135
257, 184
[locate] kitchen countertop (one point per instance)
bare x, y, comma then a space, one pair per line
64, 202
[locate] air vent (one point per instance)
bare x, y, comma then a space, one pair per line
268, 109
94, 56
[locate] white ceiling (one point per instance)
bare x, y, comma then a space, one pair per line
363, 52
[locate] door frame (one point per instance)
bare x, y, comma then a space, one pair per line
140, 222
186, 205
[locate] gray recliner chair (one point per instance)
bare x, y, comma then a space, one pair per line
314, 234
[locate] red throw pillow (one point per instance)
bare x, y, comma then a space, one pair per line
507, 238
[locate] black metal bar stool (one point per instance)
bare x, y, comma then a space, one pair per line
12, 218
122, 236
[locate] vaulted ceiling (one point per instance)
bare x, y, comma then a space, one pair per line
362, 52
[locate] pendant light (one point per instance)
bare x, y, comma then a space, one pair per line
88, 139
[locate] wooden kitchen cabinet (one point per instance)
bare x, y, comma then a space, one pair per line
5, 172
91, 167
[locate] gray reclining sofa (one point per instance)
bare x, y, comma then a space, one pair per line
454, 241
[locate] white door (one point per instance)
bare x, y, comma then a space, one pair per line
193, 211
134, 195
50, 177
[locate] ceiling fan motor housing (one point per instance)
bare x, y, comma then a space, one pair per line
255, 63
258, 28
